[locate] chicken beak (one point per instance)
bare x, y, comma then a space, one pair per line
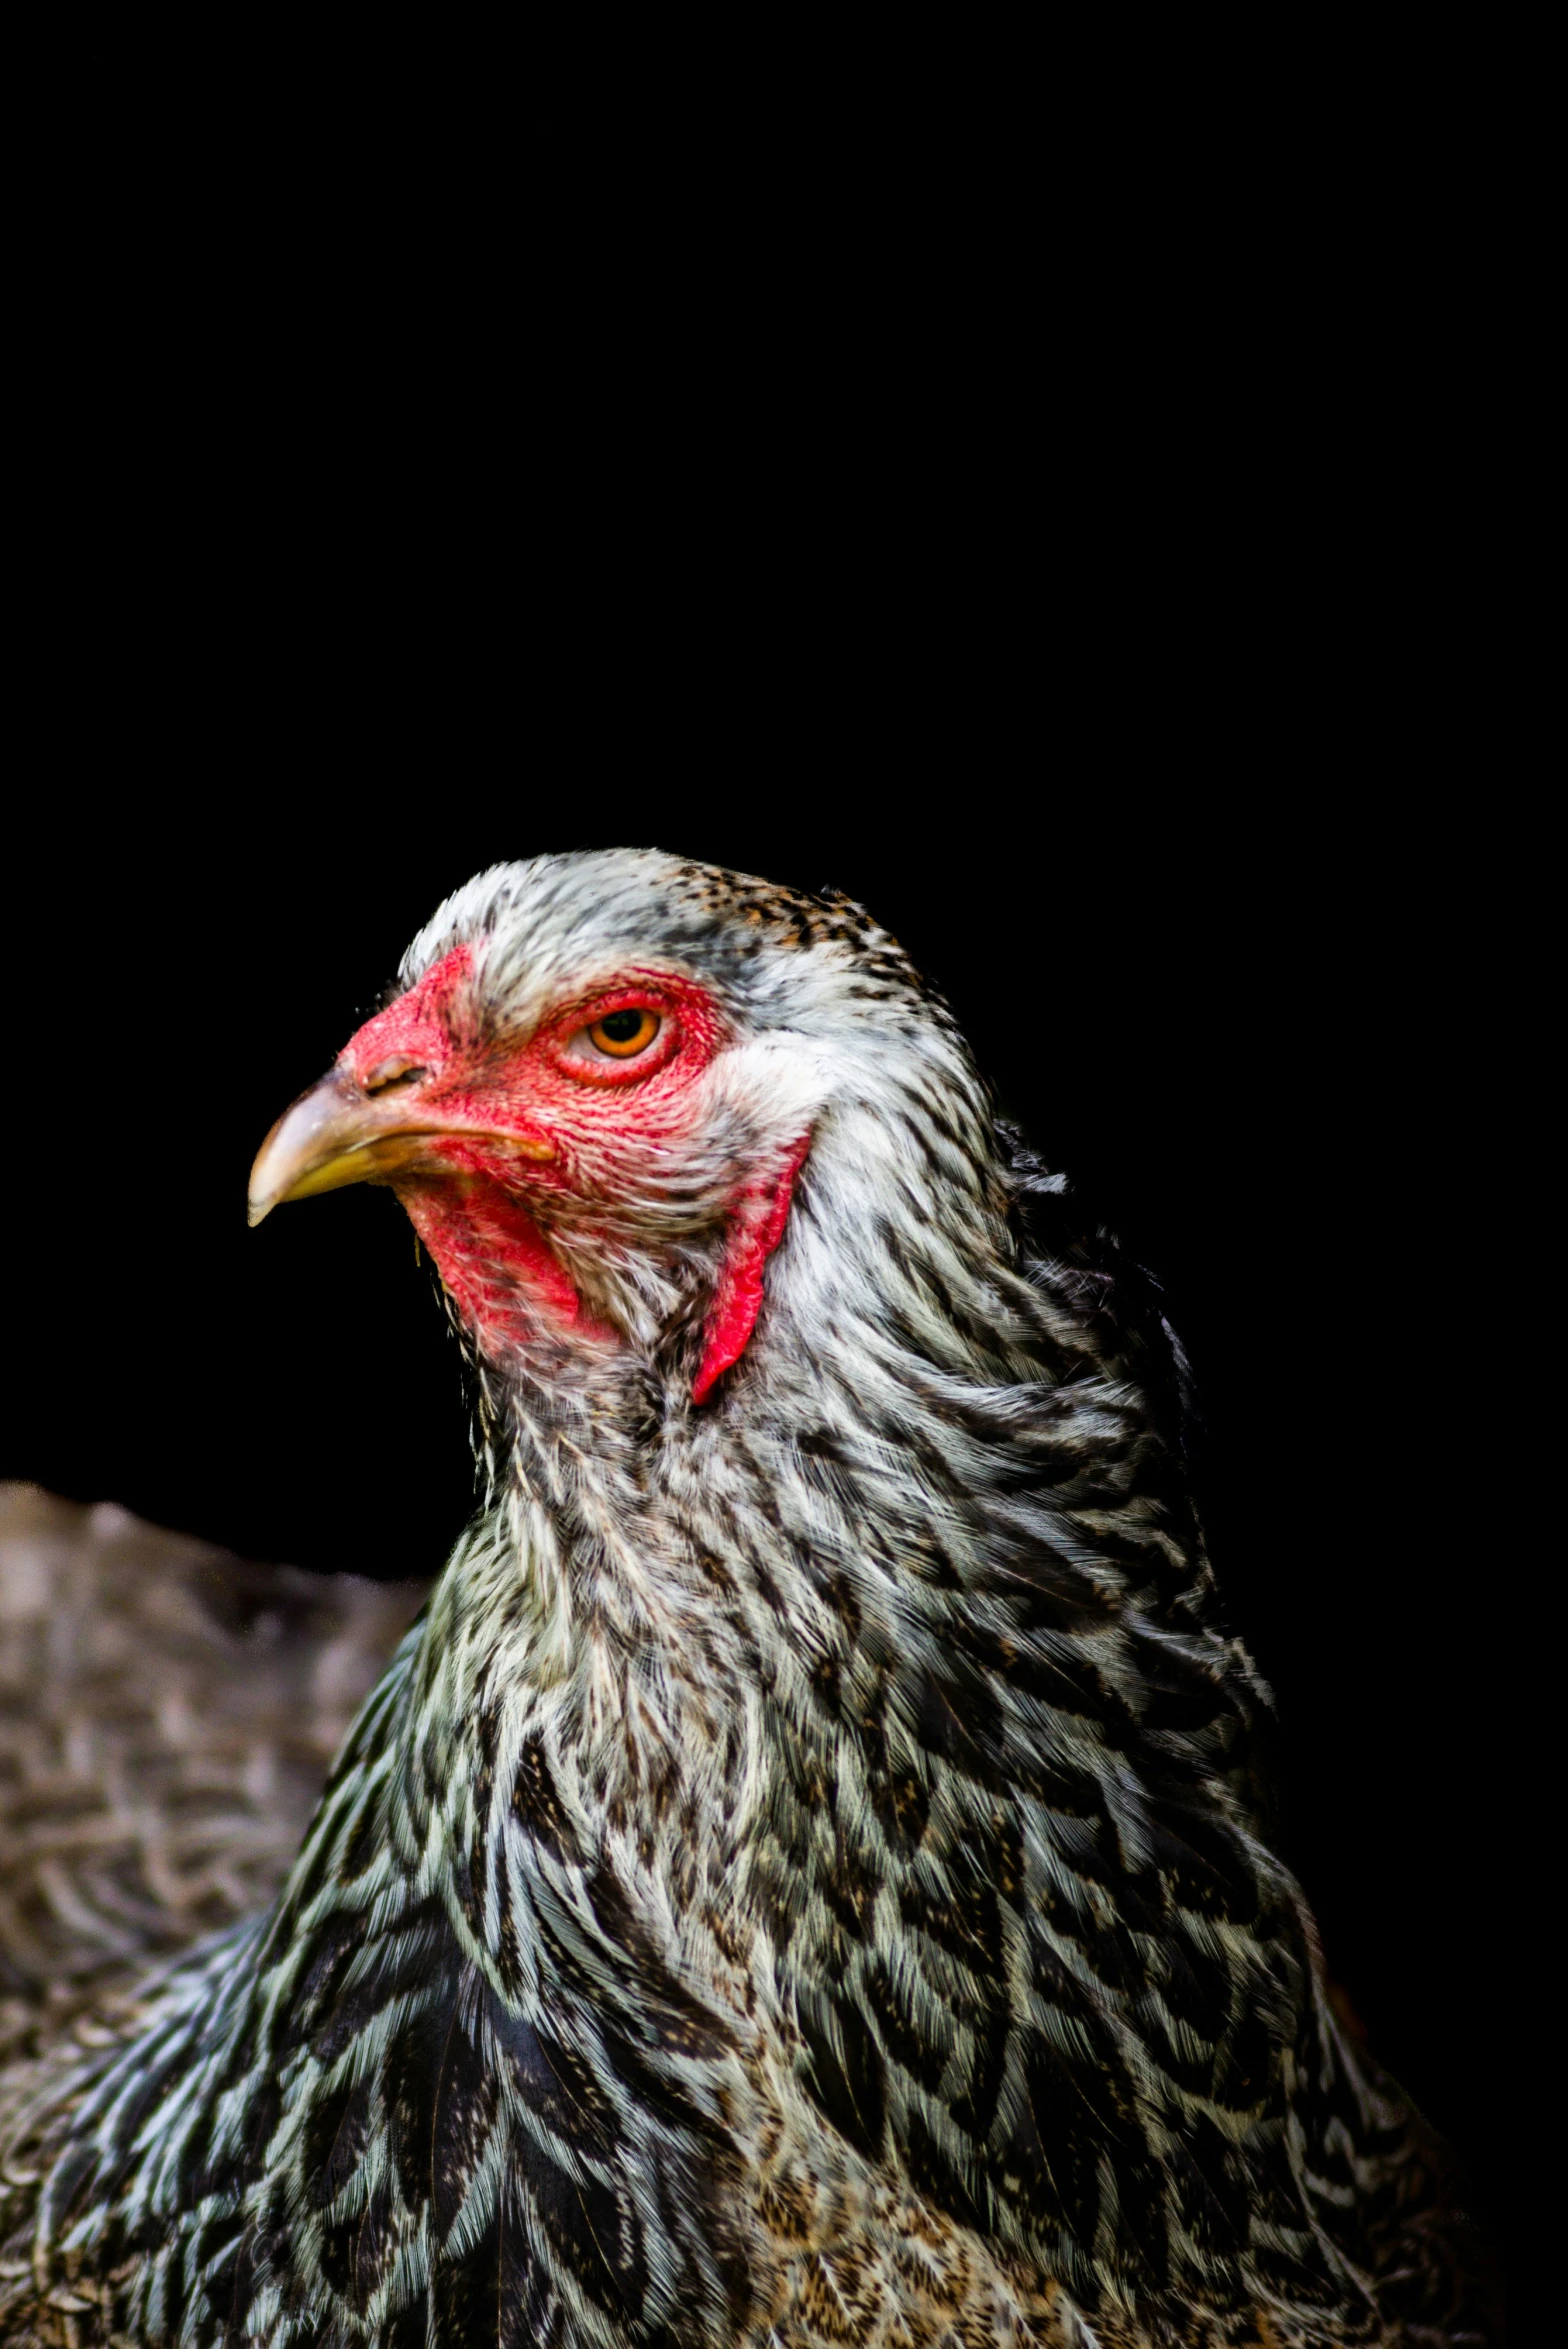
333, 1135
338, 1134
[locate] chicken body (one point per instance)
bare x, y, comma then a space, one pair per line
806, 1879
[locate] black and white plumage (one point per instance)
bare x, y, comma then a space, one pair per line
806, 1878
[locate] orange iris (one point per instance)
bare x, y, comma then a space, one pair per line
624, 1033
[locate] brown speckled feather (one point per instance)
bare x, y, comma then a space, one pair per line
167, 1715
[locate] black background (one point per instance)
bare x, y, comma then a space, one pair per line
1103, 623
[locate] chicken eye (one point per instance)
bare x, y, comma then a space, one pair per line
623, 1034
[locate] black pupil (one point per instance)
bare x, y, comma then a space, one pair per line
622, 1026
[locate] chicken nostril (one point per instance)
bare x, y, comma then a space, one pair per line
399, 1070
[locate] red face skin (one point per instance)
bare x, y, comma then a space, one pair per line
470, 1198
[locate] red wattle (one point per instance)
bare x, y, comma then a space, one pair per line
760, 1217
494, 1260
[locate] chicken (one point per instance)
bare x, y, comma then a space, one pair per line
807, 1876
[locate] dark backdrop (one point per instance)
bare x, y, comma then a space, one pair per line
1222, 1000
